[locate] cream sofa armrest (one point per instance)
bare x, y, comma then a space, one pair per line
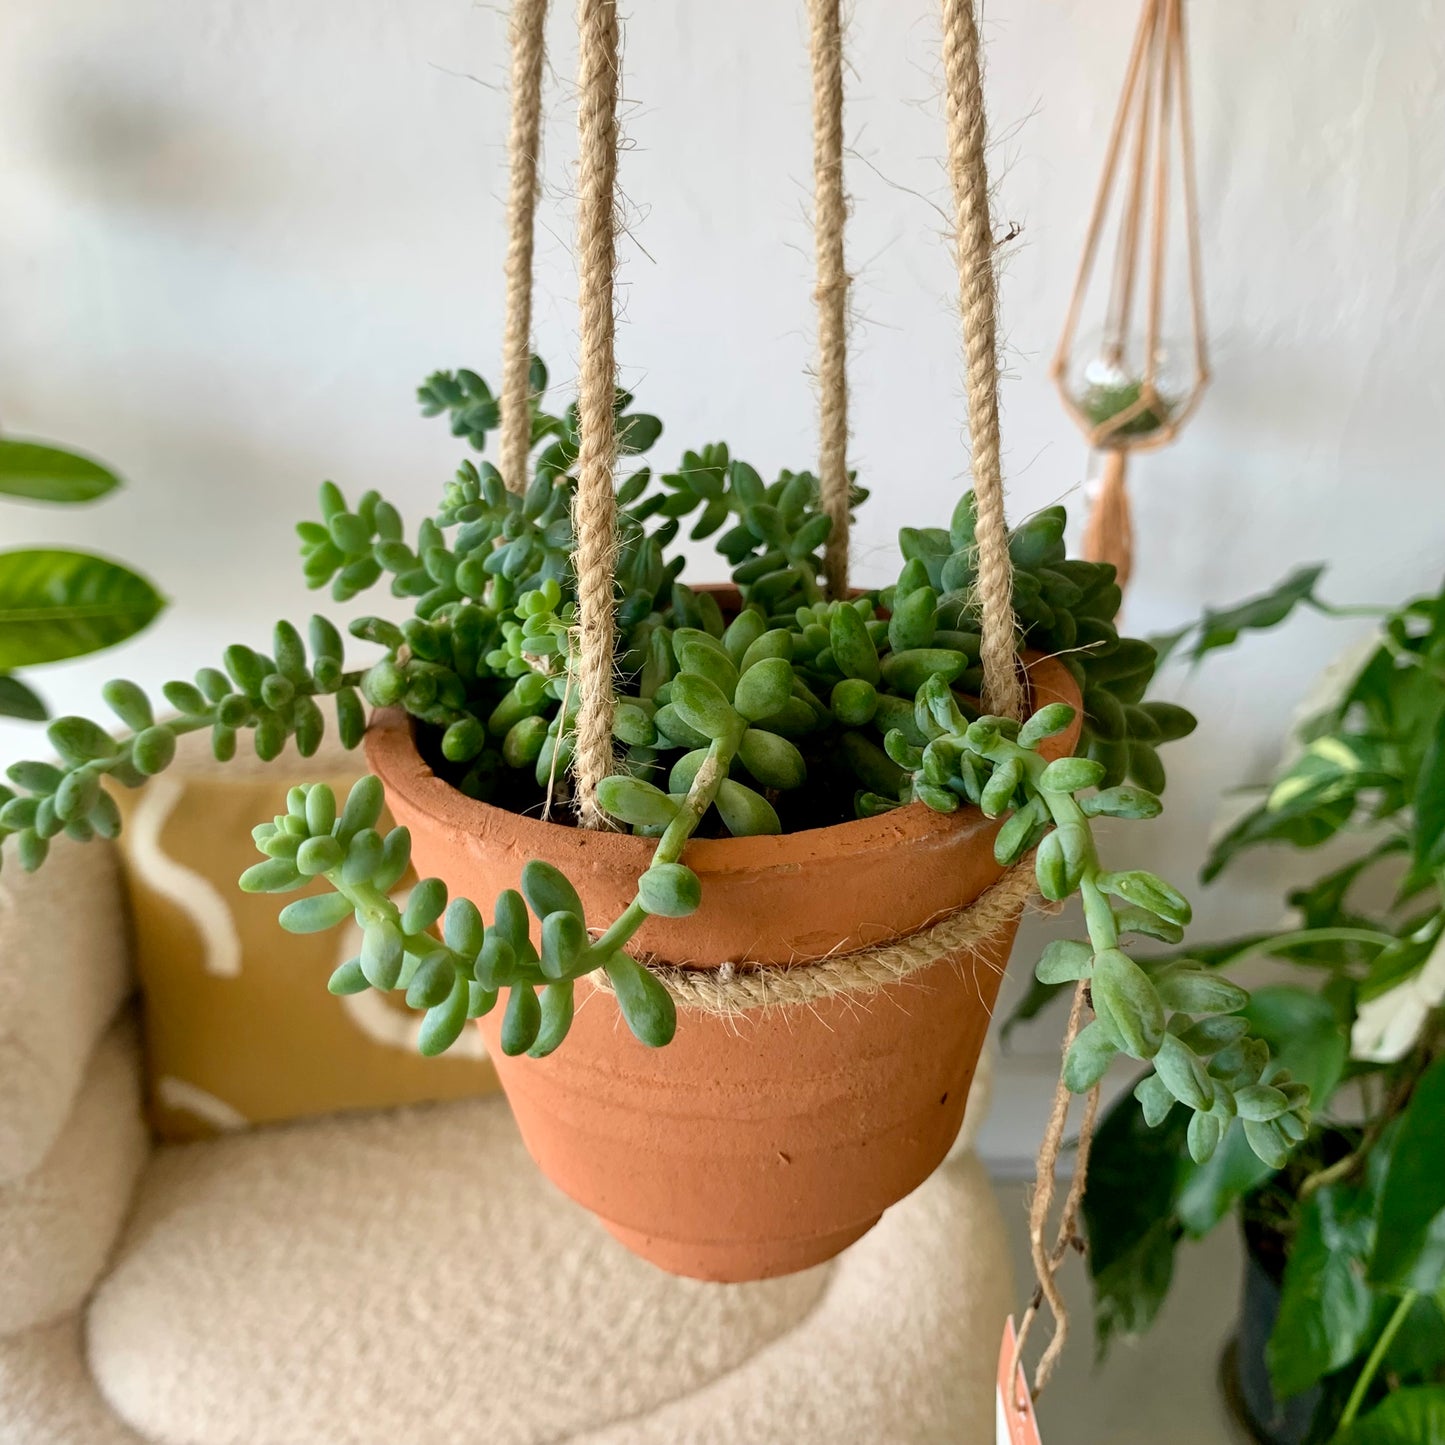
47, 1395
64, 972
59, 1223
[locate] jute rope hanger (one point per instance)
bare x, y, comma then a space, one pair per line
529, 46
595, 516
830, 212
977, 295
595, 509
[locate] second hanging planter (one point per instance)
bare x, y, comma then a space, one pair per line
834, 990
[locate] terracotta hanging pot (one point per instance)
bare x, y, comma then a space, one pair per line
756, 1144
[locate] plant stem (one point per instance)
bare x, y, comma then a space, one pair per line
1064, 809
1304, 936
1357, 609
700, 796
1377, 1355
1394, 1105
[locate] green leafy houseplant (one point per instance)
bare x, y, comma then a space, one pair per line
796, 712
1352, 1228
56, 603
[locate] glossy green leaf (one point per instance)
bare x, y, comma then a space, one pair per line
43, 473
1430, 800
19, 701
1413, 1416
56, 604
1128, 1210
1410, 1252
1325, 1305
1220, 627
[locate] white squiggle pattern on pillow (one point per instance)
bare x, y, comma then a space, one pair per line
190, 891
385, 1025
388, 1026
184, 1098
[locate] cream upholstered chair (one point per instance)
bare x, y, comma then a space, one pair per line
408, 1275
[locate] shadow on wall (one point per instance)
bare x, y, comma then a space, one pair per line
137, 149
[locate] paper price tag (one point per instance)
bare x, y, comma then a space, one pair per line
1017, 1424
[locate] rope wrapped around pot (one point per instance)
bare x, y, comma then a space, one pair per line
741, 987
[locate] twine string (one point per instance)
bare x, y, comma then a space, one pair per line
595, 507
977, 291
528, 38
1049, 1259
830, 209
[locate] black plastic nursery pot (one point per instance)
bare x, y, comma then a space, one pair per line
1244, 1375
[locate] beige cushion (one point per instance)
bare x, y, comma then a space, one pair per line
58, 1223
239, 1026
63, 973
47, 1396
409, 1276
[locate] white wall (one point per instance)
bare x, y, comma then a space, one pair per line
234, 236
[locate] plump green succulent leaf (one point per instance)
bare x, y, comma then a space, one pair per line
383, 952
314, 915
1199, 991
1146, 890
522, 1021
764, 688
702, 705
671, 890
646, 1005
637, 802
1047, 722
772, 760
1088, 1058
1183, 1074
1064, 960
442, 1024
745, 813
433, 982
348, 979
1070, 775
424, 905
1127, 1004
557, 1006
548, 890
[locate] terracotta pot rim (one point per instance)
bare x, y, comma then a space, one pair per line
393, 755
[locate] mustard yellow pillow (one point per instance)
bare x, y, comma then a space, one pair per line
239, 1026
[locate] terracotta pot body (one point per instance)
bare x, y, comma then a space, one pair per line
757, 1145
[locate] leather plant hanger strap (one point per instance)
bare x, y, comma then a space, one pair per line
830, 210
524, 144
977, 294
595, 508
1137, 409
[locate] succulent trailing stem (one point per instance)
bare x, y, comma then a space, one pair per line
795, 712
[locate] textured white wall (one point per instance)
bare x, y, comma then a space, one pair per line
234, 236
